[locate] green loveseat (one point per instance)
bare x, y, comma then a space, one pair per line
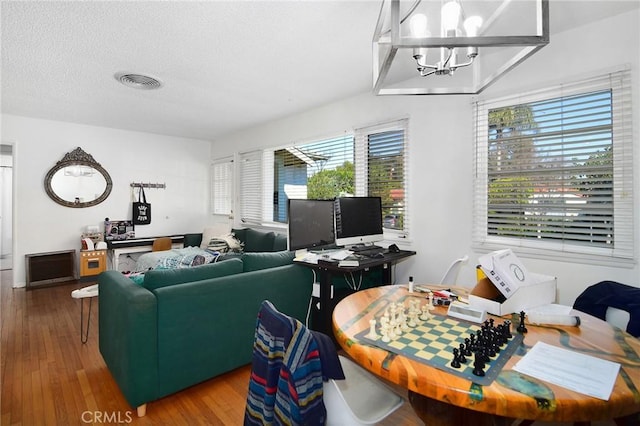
184, 326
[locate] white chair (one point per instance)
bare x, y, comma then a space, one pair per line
360, 399
451, 276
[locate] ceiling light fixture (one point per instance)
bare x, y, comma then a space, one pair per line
138, 81
439, 38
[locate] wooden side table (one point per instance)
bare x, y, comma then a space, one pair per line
92, 262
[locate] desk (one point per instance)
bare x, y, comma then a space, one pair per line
136, 245
327, 270
507, 396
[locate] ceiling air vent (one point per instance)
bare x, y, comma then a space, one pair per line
138, 81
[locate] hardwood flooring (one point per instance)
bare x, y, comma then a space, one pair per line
50, 378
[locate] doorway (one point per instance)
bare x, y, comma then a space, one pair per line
6, 207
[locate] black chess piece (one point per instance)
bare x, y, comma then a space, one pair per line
478, 365
507, 329
521, 327
455, 363
467, 347
461, 358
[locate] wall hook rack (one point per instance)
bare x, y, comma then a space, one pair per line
148, 185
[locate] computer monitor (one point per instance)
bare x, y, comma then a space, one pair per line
310, 224
358, 220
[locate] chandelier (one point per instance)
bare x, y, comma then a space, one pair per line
426, 47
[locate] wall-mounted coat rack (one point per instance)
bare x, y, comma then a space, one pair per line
148, 185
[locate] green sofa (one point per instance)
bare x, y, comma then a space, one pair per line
184, 326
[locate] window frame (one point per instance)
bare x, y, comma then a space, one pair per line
619, 82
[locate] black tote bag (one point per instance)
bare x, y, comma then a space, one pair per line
141, 210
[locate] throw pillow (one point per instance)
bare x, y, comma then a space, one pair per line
225, 244
211, 232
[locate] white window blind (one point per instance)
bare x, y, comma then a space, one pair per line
553, 169
222, 186
381, 171
251, 187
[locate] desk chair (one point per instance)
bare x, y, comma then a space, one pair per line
161, 244
451, 276
287, 386
616, 303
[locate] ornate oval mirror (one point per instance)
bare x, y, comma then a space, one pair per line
78, 181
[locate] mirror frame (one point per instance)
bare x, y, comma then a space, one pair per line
80, 158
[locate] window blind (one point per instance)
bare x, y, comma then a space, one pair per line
553, 168
383, 171
222, 186
251, 187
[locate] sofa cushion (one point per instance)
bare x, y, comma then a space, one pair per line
259, 241
192, 240
280, 242
158, 278
240, 234
257, 261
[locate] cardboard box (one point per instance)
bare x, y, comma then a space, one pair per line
505, 271
541, 290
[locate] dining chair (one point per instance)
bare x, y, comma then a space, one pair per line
297, 377
616, 303
161, 244
451, 276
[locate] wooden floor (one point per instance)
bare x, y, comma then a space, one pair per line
50, 378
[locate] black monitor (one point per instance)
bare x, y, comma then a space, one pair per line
310, 224
358, 220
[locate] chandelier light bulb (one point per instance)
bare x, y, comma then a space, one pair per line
450, 15
418, 25
471, 25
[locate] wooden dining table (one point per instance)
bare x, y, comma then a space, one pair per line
442, 398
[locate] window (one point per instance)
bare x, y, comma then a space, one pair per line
382, 172
221, 186
371, 162
553, 169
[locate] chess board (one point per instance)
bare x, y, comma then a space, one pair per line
433, 340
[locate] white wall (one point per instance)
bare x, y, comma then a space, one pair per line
441, 150
41, 225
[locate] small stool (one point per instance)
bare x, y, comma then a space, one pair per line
82, 293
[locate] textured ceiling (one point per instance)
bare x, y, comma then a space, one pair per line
225, 65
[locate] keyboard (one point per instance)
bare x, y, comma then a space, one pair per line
368, 250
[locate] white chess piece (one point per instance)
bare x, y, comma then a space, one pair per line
372, 330
384, 329
404, 321
426, 315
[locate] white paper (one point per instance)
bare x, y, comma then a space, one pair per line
572, 370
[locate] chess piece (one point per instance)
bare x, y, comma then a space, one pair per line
521, 327
372, 330
403, 320
507, 329
478, 365
384, 329
455, 362
426, 315
467, 347
461, 358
